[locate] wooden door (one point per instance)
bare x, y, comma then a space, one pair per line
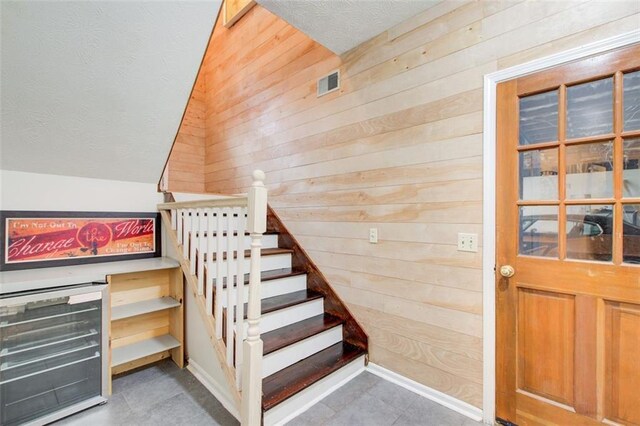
568, 229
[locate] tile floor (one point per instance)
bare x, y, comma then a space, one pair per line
369, 400
162, 394
158, 395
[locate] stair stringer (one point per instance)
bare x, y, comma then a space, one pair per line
208, 320
316, 281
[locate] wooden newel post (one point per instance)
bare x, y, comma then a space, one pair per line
251, 407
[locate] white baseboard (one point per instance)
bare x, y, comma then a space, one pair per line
448, 401
211, 385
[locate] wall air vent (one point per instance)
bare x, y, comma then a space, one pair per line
329, 83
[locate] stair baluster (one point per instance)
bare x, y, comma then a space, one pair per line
202, 225
179, 225
219, 273
209, 251
193, 240
186, 226
197, 224
240, 295
230, 288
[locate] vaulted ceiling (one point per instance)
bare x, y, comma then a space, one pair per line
341, 25
98, 88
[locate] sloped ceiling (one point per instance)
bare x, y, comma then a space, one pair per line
97, 88
341, 25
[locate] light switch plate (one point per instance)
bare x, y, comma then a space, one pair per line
467, 242
373, 235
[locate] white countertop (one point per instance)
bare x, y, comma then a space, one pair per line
29, 279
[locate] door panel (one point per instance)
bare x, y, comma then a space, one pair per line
546, 339
568, 222
623, 362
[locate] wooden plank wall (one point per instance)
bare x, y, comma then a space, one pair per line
397, 148
186, 162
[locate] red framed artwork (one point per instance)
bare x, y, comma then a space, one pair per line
44, 239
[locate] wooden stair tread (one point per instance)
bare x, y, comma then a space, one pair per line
295, 378
285, 336
283, 301
272, 274
247, 253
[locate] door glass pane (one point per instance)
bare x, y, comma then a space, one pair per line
589, 232
539, 118
631, 183
539, 174
590, 170
590, 109
631, 233
538, 231
631, 84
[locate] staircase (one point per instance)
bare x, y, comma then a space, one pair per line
285, 339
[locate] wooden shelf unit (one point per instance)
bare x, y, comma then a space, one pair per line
146, 318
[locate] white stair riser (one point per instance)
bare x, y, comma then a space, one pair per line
283, 317
268, 241
276, 361
267, 263
298, 403
272, 288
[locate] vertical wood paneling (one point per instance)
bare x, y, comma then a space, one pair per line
398, 147
186, 162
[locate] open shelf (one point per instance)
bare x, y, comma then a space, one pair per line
143, 348
144, 307
145, 304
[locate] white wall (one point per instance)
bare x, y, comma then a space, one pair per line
34, 191
200, 352
98, 88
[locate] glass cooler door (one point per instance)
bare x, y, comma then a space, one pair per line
51, 347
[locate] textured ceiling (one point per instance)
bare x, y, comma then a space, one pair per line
97, 88
341, 25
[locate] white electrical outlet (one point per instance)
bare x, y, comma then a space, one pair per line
373, 235
467, 242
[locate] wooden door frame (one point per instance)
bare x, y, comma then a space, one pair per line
489, 194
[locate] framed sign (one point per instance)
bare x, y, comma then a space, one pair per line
33, 239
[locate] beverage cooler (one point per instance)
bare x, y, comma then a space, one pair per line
52, 353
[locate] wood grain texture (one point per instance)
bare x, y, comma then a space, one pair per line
186, 161
233, 10
316, 281
622, 362
546, 336
564, 328
139, 286
398, 147
143, 286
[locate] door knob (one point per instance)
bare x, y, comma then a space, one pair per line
507, 271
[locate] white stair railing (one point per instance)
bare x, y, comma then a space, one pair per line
209, 235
